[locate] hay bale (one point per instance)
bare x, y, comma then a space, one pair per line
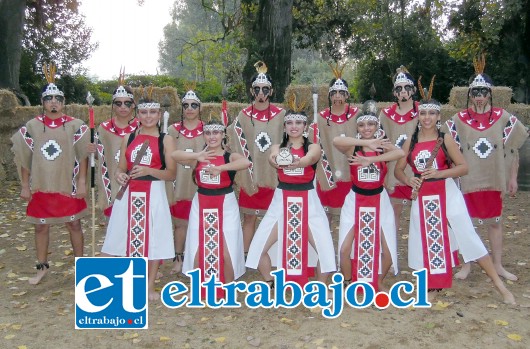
304, 92
502, 97
522, 111
8, 103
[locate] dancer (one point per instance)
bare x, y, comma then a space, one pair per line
188, 135
399, 122
109, 138
214, 238
489, 138
367, 231
252, 133
294, 233
51, 158
440, 204
140, 223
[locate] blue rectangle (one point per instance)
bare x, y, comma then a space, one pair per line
111, 293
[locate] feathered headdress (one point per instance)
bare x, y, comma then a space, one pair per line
190, 87
296, 109
426, 97
339, 84
213, 126
51, 89
480, 81
121, 91
261, 68
402, 76
148, 102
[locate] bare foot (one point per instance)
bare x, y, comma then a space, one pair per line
464, 272
37, 278
153, 295
507, 296
177, 267
159, 275
431, 296
505, 274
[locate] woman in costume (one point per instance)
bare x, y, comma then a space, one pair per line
214, 238
140, 221
367, 231
294, 233
439, 204
109, 137
188, 135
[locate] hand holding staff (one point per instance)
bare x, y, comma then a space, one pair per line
90, 100
434, 152
137, 160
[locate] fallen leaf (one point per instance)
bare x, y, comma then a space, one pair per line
16, 326
19, 294
441, 305
494, 306
23, 278
286, 320
430, 325
345, 325
509, 282
203, 319
68, 252
130, 335
11, 275
4, 235
318, 341
22, 347
21, 248
220, 339
9, 336
136, 340
512, 217
501, 322
165, 339
514, 337
58, 264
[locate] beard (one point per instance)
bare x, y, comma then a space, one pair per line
54, 110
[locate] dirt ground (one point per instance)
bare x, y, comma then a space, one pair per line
470, 315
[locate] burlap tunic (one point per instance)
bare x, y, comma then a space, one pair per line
182, 189
109, 138
488, 152
253, 139
398, 128
52, 154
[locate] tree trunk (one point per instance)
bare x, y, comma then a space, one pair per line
273, 31
11, 31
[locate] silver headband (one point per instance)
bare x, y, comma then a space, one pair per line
479, 81
429, 106
150, 105
213, 127
262, 79
368, 117
192, 95
122, 92
338, 85
52, 90
295, 117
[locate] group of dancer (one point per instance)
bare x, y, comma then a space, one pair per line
357, 164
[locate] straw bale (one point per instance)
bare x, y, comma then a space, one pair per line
502, 97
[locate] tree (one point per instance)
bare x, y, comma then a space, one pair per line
47, 30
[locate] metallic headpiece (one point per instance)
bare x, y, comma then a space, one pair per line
479, 80
148, 102
401, 76
295, 109
339, 84
121, 91
426, 100
51, 89
190, 87
261, 68
213, 127
369, 112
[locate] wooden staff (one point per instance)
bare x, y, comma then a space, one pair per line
137, 160
434, 152
90, 100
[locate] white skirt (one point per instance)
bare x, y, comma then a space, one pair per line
386, 223
462, 234
233, 235
161, 245
318, 224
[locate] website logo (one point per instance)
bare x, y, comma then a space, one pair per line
110, 293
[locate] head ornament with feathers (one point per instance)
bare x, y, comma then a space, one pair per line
51, 89
427, 102
121, 91
190, 94
403, 76
480, 80
261, 68
296, 109
339, 84
146, 102
213, 125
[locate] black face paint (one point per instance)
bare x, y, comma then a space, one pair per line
265, 90
128, 104
192, 105
341, 92
408, 88
482, 91
58, 98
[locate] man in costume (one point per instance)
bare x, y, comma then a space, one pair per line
490, 139
109, 138
333, 173
399, 122
252, 133
188, 135
51, 158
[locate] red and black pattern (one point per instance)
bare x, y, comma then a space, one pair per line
512, 120
104, 170
295, 239
365, 264
27, 137
138, 224
243, 143
324, 162
435, 239
454, 133
80, 132
391, 113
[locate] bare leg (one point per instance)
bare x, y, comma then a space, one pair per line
464, 271
486, 263
152, 275
249, 228
180, 239
76, 237
345, 253
386, 262
42, 240
228, 267
495, 236
265, 264
398, 208
322, 277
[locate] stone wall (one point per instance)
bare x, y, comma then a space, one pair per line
13, 116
